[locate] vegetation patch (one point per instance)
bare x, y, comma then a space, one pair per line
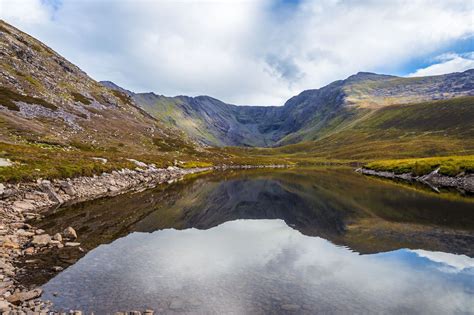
8, 97
193, 164
78, 97
123, 97
450, 165
4, 29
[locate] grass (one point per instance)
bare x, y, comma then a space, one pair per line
450, 165
78, 97
52, 161
122, 96
193, 164
9, 97
49, 159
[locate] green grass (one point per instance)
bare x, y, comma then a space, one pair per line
78, 97
193, 164
122, 96
52, 161
8, 97
450, 165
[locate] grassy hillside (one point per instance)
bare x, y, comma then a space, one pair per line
437, 128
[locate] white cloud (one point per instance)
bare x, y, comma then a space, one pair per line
459, 262
449, 62
246, 52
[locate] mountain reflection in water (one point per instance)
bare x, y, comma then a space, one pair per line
260, 249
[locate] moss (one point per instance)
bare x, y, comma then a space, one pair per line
82, 146
450, 166
78, 97
8, 97
192, 164
32, 81
122, 96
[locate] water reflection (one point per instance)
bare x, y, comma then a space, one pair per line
261, 266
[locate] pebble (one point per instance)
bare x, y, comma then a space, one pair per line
70, 233
18, 297
41, 240
72, 244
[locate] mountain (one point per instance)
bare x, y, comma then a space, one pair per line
46, 99
56, 121
311, 115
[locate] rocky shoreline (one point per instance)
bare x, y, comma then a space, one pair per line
24, 201
464, 183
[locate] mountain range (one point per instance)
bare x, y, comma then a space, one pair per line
308, 116
46, 99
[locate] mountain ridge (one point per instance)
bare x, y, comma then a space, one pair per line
51, 110
306, 116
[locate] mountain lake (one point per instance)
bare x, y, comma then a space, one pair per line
293, 241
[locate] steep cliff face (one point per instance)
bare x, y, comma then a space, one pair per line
308, 116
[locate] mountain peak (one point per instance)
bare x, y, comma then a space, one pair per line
113, 86
368, 76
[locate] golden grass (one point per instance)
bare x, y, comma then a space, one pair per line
449, 165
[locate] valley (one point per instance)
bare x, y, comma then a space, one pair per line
139, 173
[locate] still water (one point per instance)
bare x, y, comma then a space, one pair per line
258, 242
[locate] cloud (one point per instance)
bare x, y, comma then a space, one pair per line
448, 62
458, 262
246, 52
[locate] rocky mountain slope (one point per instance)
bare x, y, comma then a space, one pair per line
46, 99
308, 116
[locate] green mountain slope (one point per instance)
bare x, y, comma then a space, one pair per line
311, 115
432, 128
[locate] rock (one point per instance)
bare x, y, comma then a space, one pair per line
10, 244
113, 189
24, 233
5, 162
21, 206
72, 244
102, 160
29, 251
18, 297
70, 233
138, 163
67, 188
148, 312
48, 189
57, 268
4, 306
58, 237
40, 231
41, 240
2, 189
290, 307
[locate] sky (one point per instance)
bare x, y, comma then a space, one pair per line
249, 52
